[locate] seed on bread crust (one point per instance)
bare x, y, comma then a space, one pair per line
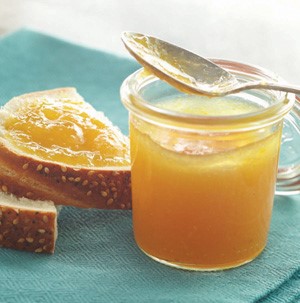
25, 166
63, 169
85, 182
39, 167
46, 170
29, 239
103, 193
15, 221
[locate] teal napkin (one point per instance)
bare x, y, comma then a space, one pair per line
96, 259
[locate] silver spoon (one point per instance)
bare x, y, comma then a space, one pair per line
187, 71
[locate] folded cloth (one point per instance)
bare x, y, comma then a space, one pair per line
96, 258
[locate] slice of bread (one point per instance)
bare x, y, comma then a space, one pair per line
27, 225
38, 178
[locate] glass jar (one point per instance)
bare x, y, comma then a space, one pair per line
204, 169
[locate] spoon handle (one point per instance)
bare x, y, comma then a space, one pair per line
263, 85
279, 86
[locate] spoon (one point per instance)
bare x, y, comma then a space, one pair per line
187, 71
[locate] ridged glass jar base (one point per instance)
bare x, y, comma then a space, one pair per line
199, 267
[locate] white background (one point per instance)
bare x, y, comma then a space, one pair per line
265, 33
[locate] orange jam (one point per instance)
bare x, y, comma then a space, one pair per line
205, 203
66, 131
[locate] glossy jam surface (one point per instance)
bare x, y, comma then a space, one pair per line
202, 202
66, 131
205, 106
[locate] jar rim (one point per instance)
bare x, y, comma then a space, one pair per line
135, 103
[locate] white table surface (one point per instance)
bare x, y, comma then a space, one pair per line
265, 33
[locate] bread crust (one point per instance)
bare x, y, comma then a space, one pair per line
24, 176
94, 187
28, 229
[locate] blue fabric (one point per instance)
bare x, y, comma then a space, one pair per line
96, 259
